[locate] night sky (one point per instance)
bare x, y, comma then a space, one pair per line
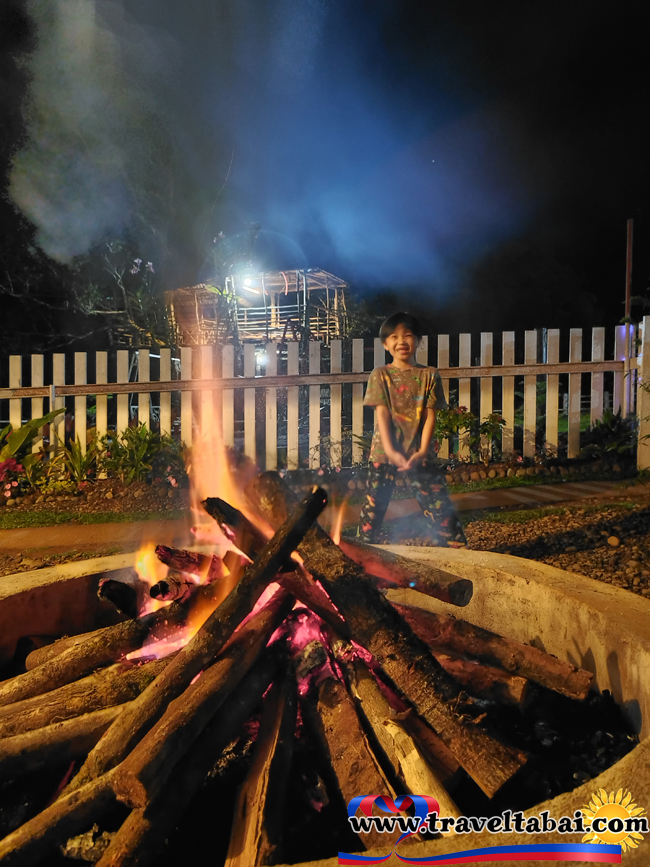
478, 160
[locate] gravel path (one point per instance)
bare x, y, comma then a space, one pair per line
609, 542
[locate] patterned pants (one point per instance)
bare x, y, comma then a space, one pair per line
429, 488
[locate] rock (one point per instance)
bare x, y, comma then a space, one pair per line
614, 541
11, 501
501, 474
633, 566
530, 471
475, 477
30, 563
563, 471
520, 473
492, 474
449, 479
352, 485
570, 550
170, 494
482, 475
511, 472
40, 499
138, 494
636, 581
108, 495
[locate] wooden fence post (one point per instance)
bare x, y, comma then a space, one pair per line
486, 385
464, 384
186, 396
552, 390
58, 378
15, 381
271, 409
443, 361
357, 402
575, 354
643, 397
293, 369
122, 399
508, 398
37, 402
81, 401
530, 395
144, 397
336, 407
314, 407
249, 403
228, 399
597, 379
165, 396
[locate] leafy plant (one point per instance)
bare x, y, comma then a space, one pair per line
12, 441
612, 437
138, 453
74, 463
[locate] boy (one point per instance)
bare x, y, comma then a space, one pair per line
405, 396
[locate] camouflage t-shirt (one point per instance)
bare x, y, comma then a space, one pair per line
406, 393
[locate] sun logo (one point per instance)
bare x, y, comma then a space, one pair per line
614, 819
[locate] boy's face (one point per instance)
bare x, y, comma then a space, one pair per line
402, 344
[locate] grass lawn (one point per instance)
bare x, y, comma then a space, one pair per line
10, 520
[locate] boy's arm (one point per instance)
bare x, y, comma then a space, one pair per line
425, 441
384, 426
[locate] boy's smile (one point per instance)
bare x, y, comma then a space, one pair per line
402, 345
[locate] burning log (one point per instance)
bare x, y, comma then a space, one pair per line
175, 586
59, 742
512, 656
144, 711
143, 834
55, 648
98, 648
107, 687
392, 570
207, 567
255, 837
146, 768
400, 752
299, 583
64, 818
403, 656
343, 740
122, 595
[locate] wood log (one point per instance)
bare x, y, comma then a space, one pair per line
404, 657
122, 595
99, 648
334, 719
393, 570
400, 752
59, 742
142, 836
438, 756
145, 710
107, 687
145, 770
36, 840
483, 681
55, 648
512, 656
208, 567
298, 582
255, 839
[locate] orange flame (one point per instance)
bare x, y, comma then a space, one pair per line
337, 522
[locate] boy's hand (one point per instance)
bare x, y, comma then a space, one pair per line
413, 461
397, 459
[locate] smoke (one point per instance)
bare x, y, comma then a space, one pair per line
368, 167
93, 84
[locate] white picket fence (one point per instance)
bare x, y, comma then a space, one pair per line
284, 409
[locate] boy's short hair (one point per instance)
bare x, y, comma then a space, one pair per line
406, 319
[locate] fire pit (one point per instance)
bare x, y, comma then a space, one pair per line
583, 623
